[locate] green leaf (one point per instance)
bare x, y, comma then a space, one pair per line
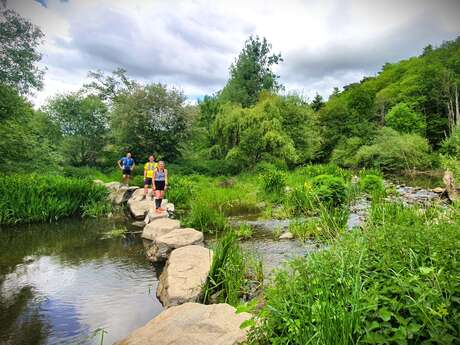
385, 314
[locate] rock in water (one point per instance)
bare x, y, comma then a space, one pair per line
287, 236
177, 238
192, 324
184, 275
138, 206
159, 227
119, 193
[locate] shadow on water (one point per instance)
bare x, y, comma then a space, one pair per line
60, 282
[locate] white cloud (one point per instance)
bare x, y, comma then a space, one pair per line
190, 44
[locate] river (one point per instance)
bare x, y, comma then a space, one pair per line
70, 283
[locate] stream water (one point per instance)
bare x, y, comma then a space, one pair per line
61, 283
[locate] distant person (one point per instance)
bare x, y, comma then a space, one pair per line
160, 185
126, 165
149, 169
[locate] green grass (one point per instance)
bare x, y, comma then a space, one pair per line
396, 282
233, 275
37, 198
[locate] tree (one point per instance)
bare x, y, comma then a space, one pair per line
150, 119
251, 73
317, 102
25, 144
83, 123
109, 87
19, 54
403, 119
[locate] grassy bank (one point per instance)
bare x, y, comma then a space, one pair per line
38, 198
396, 282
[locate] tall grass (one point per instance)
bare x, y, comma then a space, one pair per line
232, 275
394, 283
37, 198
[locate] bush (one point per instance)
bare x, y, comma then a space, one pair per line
372, 184
37, 198
393, 151
403, 119
344, 153
393, 284
451, 145
313, 170
330, 190
273, 181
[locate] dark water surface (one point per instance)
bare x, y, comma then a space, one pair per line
59, 283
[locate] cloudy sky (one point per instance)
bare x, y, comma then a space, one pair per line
190, 44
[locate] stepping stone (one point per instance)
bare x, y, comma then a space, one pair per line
159, 227
184, 275
192, 324
164, 244
138, 206
286, 236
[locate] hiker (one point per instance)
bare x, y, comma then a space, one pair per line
149, 169
126, 165
160, 184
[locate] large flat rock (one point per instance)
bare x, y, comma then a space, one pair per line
192, 324
159, 227
164, 244
184, 275
119, 193
139, 206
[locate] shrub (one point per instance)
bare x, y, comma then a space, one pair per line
273, 181
403, 119
393, 151
451, 145
344, 153
395, 283
372, 184
36, 198
313, 170
330, 190
244, 231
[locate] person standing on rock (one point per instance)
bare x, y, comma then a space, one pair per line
160, 184
126, 165
149, 169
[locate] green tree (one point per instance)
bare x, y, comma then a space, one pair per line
109, 87
151, 119
83, 123
27, 140
317, 102
403, 119
19, 54
251, 73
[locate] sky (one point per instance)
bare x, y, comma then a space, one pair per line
191, 44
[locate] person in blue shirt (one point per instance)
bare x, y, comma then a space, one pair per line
126, 165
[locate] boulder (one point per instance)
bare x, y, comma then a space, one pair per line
286, 236
184, 275
138, 206
192, 324
119, 193
164, 244
153, 215
138, 224
159, 227
438, 190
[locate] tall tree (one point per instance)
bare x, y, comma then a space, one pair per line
150, 119
317, 102
83, 124
19, 54
251, 73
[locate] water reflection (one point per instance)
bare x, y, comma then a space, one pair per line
61, 282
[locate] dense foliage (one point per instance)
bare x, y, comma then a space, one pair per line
394, 283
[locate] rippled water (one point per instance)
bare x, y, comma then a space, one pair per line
65, 284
